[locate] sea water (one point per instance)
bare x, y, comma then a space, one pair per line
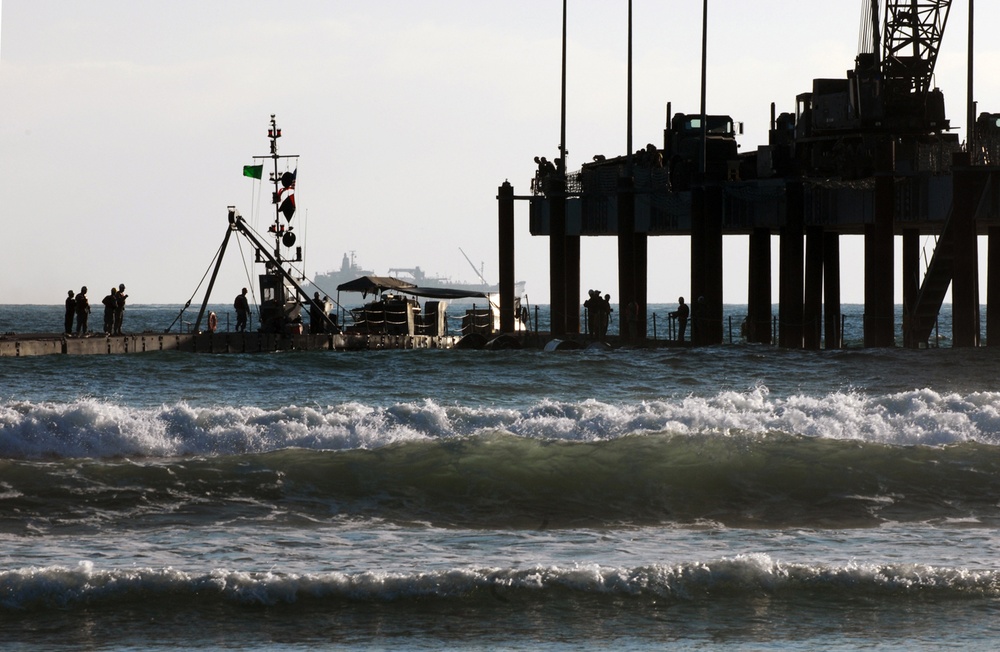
730, 496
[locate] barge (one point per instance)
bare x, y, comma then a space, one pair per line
33, 344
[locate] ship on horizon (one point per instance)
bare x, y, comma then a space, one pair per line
327, 282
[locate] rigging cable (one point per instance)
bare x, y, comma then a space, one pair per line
300, 272
246, 271
187, 305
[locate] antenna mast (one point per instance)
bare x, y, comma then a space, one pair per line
283, 197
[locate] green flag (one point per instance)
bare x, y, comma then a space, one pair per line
254, 171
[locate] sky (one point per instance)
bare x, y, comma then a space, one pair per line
124, 127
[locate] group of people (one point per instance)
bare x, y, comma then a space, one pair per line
78, 306
547, 170
546, 167
649, 157
598, 314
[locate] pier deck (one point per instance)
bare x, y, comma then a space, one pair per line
31, 344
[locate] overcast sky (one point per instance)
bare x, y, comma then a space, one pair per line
125, 125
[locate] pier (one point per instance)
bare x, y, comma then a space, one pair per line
207, 342
869, 155
956, 204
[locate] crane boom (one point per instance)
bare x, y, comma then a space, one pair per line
912, 39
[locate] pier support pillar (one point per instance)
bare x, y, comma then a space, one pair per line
641, 286
572, 310
505, 202
965, 279
879, 255
759, 290
706, 265
813, 310
911, 283
790, 283
631, 267
993, 286
557, 257
832, 328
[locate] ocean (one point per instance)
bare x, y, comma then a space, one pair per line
735, 496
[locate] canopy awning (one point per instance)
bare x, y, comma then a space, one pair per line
374, 284
444, 293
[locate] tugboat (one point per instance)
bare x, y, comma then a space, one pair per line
281, 295
391, 322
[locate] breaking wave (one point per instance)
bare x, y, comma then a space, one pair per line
743, 577
102, 429
741, 459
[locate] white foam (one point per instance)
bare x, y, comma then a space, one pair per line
97, 428
748, 574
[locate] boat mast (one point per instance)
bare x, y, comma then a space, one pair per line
283, 197
279, 289
273, 134
279, 306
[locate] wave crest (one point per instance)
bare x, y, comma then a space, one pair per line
741, 577
103, 429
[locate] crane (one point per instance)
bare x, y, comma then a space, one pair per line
913, 33
889, 93
911, 40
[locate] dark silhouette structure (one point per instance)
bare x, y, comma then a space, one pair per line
870, 154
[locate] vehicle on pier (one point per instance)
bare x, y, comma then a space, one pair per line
683, 148
676, 166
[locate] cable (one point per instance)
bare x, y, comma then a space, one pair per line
218, 252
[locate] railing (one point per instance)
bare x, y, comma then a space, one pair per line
380, 320
987, 150
477, 320
603, 179
736, 328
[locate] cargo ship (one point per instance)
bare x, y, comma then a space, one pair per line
328, 282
